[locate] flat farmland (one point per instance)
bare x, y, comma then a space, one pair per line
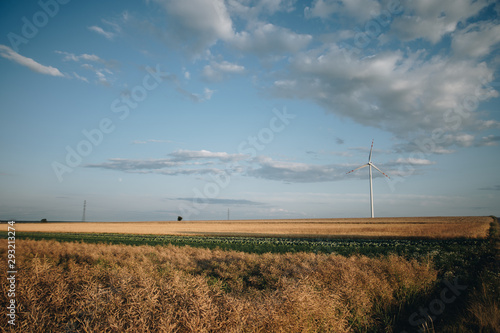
309, 275
394, 227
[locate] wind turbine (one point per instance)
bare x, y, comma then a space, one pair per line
370, 165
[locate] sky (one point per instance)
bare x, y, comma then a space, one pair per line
149, 110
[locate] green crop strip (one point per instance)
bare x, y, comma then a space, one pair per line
408, 248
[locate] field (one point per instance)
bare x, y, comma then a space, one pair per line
417, 227
355, 275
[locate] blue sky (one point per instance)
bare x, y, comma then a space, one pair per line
153, 109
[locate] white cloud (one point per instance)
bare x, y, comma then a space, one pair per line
427, 146
201, 162
217, 71
124, 164
102, 32
181, 162
73, 57
431, 20
406, 94
295, 172
81, 78
311, 173
287, 84
259, 8
414, 161
359, 10
228, 67
267, 38
196, 97
102, 79
185, 155
124, 17
207, 93
490, 140
487, 124
464, 140
103, 75
476, 40
443, 151
7, 53
87, 57
197, 171
197, 23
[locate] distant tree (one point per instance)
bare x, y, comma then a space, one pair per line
44, 220
179, 218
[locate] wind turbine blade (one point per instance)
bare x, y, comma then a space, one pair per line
370, 157
361, 167
373, 165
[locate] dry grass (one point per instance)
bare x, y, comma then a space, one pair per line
77, 287
484, 310
418, 227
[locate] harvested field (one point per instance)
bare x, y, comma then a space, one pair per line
395, 227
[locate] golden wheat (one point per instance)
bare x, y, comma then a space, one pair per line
77, 287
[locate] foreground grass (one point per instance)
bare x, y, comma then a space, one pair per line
76, 287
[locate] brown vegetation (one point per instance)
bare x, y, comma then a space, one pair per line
416, 227
77, 287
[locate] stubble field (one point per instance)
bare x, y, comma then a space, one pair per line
395, 227
352, 275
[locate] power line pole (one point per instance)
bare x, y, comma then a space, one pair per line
84, 208
228, 214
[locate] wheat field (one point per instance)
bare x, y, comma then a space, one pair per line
78, 287
411, 227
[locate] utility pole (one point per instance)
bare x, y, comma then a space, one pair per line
84, 208
228, 214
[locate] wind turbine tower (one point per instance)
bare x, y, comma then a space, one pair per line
84, 208
370, 165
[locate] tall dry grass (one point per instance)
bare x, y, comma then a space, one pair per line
77, 287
